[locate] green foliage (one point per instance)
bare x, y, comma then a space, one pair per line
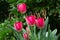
43, 34
4, 31
51, 5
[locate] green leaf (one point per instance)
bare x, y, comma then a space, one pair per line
35, 32
46, 24
11, 27
54, 32
38, 35
31, 33
17, 34
45, 28
24, 31
49, 33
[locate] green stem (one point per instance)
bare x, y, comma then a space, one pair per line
35, 32
40, 34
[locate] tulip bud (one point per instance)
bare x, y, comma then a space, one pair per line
28, 30
25, 36
21, 8
39, 23
18, 26
30, 20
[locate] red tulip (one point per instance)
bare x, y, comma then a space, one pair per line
21, 8
30, 20
18, 26
25, 36
40, 23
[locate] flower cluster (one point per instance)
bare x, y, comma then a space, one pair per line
30, 20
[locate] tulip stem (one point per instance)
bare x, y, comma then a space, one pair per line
35, 32
40, 34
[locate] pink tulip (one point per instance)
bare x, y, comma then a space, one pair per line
30, 20
25, 36
28, 30
18, 26
21, 8
40, 23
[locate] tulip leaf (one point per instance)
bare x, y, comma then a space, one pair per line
35, 32
54, 32
45, 29
18, 35
46, 23
31, 32
38, 35
11, 27
24, 31
49, 33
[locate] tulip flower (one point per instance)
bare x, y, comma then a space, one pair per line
18, 26
30, 20
25, 36
39, 23
21, 7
